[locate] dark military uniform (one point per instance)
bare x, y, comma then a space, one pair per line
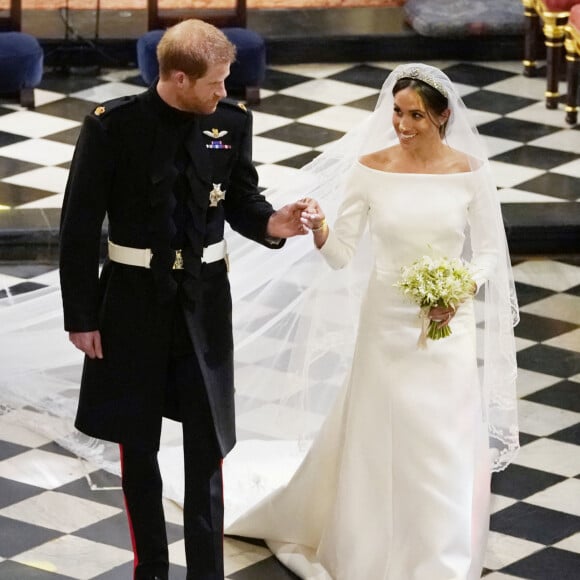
166, 334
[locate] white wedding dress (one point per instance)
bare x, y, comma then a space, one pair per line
396, 484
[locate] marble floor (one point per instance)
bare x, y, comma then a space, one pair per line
62, 519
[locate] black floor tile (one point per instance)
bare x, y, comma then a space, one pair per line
516, 129
476, 75
554, 184
118, 573
68, 137
364, 74
25, 270
21, 288
68, 108
549, 360
540, 328
568, 435
287, 106
14, 571
366, 104
299, 160
8, 449
493, 102
277, 80
113, 531
538, 157
12, 492
61, 82
521, 482
548, 564
526, 438
10, 138
527, 293
564, 395
534, 523
269, 568
10, 167
17, 537
102, 480
574, 291
303, 134
13, 195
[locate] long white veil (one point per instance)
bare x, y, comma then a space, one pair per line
294, 328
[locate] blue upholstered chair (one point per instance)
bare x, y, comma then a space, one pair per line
21, 62
247, 73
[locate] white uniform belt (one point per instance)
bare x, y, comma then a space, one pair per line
142, 256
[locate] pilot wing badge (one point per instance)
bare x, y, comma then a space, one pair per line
216, 142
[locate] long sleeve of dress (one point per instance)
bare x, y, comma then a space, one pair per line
349, 225
484, 237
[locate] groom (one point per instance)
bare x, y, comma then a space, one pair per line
167, 168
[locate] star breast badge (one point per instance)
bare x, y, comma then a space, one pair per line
216, 142
216, 195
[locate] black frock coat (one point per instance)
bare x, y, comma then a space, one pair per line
124, 169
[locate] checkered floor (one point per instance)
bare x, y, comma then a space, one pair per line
61, 519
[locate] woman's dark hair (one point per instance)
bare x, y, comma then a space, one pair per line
435, 102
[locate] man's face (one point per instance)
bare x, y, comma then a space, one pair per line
202, 95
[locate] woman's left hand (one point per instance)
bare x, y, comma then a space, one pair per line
441, 314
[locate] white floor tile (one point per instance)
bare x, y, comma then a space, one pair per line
572, 544
567, 140
339, 118
42, 469
537, 113
272, 175
546, 273
49, 202
509, 175
520, 86
572, 168
75, 557
567, 341
541, 420
34, 125
314, 70
328, 91
500, 502
177, 553
509, 195
497, 145
39, 151
481, 117
503, 550
265, 122
59, 511
562, 497
552, 456
559, 306
271, 150
529, 382
51, 179
105, 92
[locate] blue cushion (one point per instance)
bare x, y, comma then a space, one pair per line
21, 61
458, 18
248, 70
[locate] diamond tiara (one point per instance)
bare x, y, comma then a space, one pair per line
415, 73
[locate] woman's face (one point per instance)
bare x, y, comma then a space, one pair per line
413, 123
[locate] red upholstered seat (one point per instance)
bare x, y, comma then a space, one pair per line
547, 18
573, 63
574, 18
559, 5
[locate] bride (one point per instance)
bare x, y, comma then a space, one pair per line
360, 454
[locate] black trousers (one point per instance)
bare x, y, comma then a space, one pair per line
203, 500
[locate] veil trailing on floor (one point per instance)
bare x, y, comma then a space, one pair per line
294, 323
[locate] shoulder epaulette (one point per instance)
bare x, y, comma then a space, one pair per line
112, 105
239, 105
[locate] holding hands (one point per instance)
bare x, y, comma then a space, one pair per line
313, 219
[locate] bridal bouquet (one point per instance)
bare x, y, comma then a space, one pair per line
436, 282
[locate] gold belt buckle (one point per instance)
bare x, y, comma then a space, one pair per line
178, 264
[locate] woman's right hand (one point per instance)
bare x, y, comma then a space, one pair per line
313, 218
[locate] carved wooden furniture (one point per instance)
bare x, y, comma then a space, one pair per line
547, 18
572, 44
